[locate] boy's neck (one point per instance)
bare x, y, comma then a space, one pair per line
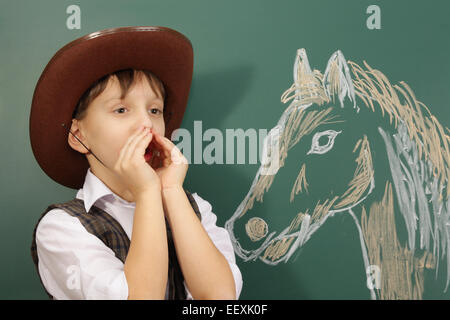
112, 183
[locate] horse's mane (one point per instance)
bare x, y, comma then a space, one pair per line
423, 128
416, 127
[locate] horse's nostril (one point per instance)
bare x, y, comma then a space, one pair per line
256, 228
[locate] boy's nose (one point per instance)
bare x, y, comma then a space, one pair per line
146, 120
148, 128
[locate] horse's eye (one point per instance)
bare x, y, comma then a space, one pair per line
322, 142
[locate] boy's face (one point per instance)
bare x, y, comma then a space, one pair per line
110, 121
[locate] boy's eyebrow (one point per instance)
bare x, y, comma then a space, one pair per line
108, 101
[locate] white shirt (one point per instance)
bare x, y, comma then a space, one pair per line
74, 264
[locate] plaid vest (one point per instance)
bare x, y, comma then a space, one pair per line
110, 232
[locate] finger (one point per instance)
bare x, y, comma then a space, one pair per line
167, 161
169, 149
141, 146
125, 148
165, 143
131, 145
137, 145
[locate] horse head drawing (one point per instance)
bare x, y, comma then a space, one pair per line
407, 177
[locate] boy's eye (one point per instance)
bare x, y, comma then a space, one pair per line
152, 110
157, 111
122, 108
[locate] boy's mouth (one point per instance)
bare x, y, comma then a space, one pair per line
149, 152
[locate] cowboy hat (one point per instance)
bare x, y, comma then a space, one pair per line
73, 69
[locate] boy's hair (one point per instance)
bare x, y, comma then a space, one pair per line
126, 78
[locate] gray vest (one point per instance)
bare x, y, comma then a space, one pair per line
110, 232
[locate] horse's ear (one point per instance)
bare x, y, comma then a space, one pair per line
302, 69
337, 79
307, 85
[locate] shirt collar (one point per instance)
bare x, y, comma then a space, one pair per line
94, 189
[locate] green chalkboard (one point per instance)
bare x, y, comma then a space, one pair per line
355, 205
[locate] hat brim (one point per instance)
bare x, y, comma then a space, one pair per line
74, 68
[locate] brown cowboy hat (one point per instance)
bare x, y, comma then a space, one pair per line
74, 68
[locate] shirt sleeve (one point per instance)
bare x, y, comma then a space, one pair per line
221, 239
74, 264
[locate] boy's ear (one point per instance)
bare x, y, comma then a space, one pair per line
73, 142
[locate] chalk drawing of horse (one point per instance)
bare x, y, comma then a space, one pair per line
346, 114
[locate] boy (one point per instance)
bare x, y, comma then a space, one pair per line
132, 232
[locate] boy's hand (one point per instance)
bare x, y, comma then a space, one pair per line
131, 166
173, 168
